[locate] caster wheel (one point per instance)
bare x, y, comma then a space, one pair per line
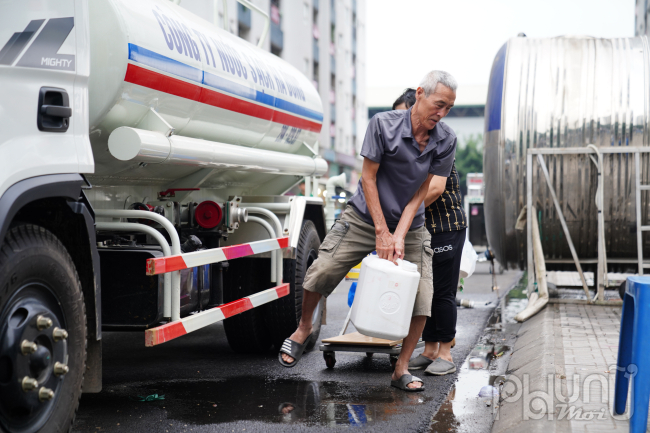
393, 361
330, 359
369, 354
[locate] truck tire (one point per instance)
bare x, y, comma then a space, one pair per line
40, 297
246, 332
283, 315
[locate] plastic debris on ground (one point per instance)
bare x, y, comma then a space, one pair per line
152, 397
479, 357
488, 391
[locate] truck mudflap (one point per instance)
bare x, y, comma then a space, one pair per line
172, 330
161, 265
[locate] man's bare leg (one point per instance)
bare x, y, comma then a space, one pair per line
309, 302
408, 346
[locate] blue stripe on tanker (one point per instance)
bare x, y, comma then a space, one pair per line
179, 69
495, 92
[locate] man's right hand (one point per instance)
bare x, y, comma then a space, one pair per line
385, 246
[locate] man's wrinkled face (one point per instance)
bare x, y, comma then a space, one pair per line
434, 107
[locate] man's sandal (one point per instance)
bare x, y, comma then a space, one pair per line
406, 379
294, 350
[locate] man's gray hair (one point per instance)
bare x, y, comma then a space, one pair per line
433, 78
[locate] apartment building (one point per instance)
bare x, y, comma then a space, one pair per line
324, 39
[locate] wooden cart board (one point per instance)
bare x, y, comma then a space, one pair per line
362, 340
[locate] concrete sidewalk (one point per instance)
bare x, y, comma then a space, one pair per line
561, 372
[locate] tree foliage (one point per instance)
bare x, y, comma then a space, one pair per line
469, 158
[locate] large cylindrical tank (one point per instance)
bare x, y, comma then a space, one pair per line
559, 93
203, 81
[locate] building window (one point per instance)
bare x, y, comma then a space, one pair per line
277, 37
244, 33
275, 11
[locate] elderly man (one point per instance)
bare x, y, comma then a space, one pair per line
402, 151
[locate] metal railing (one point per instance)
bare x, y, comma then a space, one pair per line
171, 299
590, 151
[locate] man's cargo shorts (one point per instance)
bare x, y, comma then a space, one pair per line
350, 240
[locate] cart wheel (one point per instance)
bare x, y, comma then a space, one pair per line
393, 361
330, 359
369, 354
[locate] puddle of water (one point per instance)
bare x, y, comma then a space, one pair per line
464, 410
514, 302
256, 399
570, 293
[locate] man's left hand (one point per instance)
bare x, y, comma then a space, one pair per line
398, 246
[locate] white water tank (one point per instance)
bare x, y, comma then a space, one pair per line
384, 299
203, 81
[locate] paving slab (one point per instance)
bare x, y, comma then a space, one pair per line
561, 373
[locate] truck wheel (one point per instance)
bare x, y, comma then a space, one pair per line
42, 333
246, 332
284, 314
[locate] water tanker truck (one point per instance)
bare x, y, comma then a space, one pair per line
579, 105
143, 160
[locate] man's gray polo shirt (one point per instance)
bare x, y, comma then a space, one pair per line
402, 168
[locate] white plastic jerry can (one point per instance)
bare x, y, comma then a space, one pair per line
384, 299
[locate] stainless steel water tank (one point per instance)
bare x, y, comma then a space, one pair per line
563, 92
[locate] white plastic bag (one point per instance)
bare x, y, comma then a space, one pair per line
468, 260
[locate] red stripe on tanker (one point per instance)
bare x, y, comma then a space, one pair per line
163, 83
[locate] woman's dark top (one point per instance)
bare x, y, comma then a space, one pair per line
446, 214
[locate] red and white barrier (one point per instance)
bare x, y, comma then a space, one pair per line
169, 331
161, 265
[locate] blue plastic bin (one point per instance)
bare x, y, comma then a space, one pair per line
634, 353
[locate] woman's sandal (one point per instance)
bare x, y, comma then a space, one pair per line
294, 350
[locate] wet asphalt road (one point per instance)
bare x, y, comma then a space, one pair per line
207, 387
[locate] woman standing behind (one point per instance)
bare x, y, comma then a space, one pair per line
447, 223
